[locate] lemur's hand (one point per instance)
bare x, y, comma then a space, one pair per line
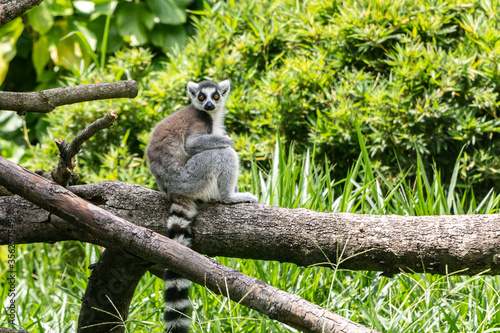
230, 141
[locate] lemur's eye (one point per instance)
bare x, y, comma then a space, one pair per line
201, 98
216, 96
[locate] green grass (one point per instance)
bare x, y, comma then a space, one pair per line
52, 278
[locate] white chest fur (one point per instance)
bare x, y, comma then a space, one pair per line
218, 123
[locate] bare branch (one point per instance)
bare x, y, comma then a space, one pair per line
75, 145
390, 243
10, 9
66, 165
47, 100
117, 232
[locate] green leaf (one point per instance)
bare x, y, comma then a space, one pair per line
169, 11
65, 43
86, 7
9, 34
114, 42
168, 37
101, 2
453, 181
84, 43
147, 18
133, 20
60, 7
9, 122
88, 35
40, 18
10, 150
183, 3
103, 9
41, 54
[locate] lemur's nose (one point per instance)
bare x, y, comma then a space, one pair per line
209, 106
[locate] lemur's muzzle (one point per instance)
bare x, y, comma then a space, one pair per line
209, 106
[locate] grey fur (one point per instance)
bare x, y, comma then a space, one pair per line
190, 153
192, 158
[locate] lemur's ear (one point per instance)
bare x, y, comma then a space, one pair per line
224, 87
192, 88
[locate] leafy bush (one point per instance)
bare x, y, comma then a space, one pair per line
70, 35
418, 77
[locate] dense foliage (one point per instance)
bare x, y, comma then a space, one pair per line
419, 77
61, 36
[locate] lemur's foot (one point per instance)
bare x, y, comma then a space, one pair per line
240, 197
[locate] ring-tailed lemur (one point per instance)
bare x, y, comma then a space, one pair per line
192, 158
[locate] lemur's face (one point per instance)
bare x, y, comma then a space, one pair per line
208, 96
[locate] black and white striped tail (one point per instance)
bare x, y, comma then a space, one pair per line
182, 212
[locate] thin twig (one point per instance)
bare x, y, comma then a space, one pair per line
89, 131
66, 165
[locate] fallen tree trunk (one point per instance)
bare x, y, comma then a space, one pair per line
433, 244
117, 233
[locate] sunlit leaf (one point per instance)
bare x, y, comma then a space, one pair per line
65, 49
84, 44
168, 11
132, 20
60, 7
168, 37
115, 41
86, 7
41, 18
9, 35
41, 55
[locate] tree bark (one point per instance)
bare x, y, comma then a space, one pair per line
47, 100
118, 233
10, 9
109, 292
11, 330
391, 243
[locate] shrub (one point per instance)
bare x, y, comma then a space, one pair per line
418, 77
61, 36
